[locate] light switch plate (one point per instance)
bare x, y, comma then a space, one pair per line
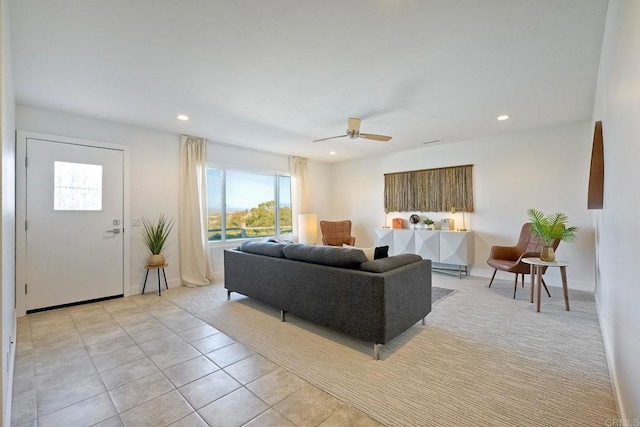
136, 222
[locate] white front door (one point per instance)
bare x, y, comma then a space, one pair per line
74, 223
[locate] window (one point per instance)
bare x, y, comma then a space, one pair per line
77, 187
245, 205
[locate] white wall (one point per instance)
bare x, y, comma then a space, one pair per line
155, 158
7, 227
546, 169
618, 294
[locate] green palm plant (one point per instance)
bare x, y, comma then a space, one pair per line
551, 227
155, 233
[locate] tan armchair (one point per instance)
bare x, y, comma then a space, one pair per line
337, 233
509, 258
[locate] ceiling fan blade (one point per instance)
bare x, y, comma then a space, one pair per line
331, 137
375, 137
354, 124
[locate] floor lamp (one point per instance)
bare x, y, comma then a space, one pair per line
307, 228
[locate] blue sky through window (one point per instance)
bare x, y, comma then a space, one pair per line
244, 190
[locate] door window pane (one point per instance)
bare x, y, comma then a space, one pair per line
77, 187
250, 205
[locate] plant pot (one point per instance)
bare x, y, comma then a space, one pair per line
547, 254
155, 260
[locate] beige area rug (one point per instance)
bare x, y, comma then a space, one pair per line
482, 359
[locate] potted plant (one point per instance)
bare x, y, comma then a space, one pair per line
428, 223
155, 236
549, 229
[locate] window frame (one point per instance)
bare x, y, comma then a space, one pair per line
223, 195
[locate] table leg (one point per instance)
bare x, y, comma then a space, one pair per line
145, 280
563, 273
159, 291
533, 277
539, 273
165, 279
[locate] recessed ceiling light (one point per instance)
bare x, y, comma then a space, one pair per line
503, 117
332, 153
182, 117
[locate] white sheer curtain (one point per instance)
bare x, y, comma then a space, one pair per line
195, 267
299, 190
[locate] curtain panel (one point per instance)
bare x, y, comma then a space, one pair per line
195, 266
299, 191
429, 190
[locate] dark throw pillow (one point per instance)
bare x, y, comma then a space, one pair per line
381, 252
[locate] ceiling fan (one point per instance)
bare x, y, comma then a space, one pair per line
353, 132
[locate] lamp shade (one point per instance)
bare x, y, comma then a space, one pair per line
307, 228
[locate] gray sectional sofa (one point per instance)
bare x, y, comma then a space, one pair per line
336, 287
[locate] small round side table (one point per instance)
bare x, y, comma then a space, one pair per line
536, 270
156, 267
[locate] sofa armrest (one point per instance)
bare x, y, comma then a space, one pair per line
385, 264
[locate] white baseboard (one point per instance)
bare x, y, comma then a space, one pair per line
608, 351
550, 280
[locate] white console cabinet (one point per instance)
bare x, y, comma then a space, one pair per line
440, 246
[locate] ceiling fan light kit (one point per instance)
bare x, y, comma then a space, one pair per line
353, 132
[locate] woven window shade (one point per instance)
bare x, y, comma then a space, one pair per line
429, 190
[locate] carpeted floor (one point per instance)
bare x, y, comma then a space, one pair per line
482, 358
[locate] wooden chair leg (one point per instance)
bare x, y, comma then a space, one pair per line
545, 287
515, 287
494, 275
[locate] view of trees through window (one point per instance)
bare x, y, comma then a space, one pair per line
245, 205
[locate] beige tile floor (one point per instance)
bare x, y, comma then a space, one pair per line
143, 361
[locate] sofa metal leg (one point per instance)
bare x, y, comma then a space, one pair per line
424, 320
282, 315
376, 351
228, 294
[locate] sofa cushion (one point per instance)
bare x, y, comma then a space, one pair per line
386, 264
332, 256
263, 248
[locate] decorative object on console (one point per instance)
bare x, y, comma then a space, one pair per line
549, 229
307, 228
429, 223
454, 210
154, 234
446, 224
414, 219
397, 223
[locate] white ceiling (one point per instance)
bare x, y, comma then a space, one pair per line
277, 74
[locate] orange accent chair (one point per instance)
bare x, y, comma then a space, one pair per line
337, 233
509, 258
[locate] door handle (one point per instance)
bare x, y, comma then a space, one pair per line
114, 231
